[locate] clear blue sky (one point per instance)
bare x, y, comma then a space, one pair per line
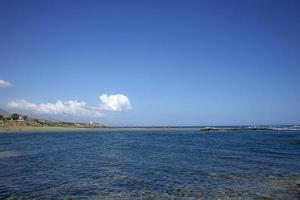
179, 62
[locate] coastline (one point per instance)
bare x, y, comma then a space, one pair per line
101, 129
74, 129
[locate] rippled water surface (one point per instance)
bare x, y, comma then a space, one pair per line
150, 165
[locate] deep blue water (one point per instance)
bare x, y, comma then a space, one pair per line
150, 165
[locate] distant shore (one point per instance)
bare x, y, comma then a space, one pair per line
74, 129
21, 123
71, 129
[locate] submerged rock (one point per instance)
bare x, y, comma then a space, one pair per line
9, 154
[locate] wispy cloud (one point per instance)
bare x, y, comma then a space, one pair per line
4, 84
117, 103
78, 108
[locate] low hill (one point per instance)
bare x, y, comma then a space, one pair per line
4, 112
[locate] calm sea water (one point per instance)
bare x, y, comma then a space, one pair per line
150, 165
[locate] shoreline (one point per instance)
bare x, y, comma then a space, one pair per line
75, 129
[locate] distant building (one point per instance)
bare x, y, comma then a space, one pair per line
21, 119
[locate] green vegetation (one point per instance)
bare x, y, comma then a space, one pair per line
15, 116
1, 117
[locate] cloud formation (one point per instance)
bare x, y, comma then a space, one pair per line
4, 84
117, 103
78, 108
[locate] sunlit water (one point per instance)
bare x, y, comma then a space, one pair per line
150, 165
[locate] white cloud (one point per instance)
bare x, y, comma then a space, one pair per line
117, 102
77, 108
4, 84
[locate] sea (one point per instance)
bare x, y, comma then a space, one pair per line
160, 164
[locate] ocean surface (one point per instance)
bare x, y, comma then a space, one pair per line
150, 165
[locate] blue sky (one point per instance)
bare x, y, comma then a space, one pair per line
177, 62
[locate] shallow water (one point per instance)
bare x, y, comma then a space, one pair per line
7, 154
150, 165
